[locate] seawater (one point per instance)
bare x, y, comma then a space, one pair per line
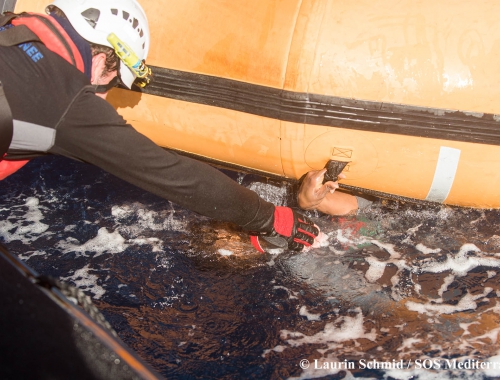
399, 291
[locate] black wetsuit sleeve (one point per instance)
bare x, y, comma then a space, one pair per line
93, 132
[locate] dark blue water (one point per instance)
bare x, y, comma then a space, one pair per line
399, 283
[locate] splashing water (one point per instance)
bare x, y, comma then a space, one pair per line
400, 291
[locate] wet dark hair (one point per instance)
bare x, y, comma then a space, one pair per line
112, 61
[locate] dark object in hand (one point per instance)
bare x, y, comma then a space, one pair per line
333, 169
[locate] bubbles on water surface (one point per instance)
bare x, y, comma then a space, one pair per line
399, 282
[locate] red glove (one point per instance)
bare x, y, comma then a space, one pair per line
290, 230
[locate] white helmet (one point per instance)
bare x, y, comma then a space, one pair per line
96, 20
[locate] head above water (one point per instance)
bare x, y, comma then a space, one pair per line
119, 24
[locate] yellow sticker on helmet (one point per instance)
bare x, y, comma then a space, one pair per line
131, 60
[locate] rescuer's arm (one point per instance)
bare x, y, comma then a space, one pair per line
108, 142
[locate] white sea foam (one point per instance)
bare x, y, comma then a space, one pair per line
310, 316
494, 371
270, 192
28, 255
86, 281
389, 248
417, 287
278, 348
155, 243
376, 269
466, 303
492, 335
28, 228
271, 262
146, 219
425, 250
407, 345
448, 280
461, 263
121, 212
345, 328
424, 374
410, 233
275, 251
321, 240
225, 252
341, 238
109, 242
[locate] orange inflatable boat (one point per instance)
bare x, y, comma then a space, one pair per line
406, 92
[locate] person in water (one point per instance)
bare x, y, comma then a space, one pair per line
56, 70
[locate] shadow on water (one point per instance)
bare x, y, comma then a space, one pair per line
399, 285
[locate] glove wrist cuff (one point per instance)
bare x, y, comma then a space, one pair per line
283, 221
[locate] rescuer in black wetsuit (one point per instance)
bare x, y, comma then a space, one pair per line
56, 110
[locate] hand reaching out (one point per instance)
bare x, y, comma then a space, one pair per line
314, 195
312, 191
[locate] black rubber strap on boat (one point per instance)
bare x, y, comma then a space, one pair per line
6, 125
325, 110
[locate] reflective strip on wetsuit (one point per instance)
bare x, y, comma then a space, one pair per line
32, 137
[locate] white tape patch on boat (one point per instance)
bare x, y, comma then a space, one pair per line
444, 176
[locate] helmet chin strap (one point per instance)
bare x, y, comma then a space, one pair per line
103, 88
